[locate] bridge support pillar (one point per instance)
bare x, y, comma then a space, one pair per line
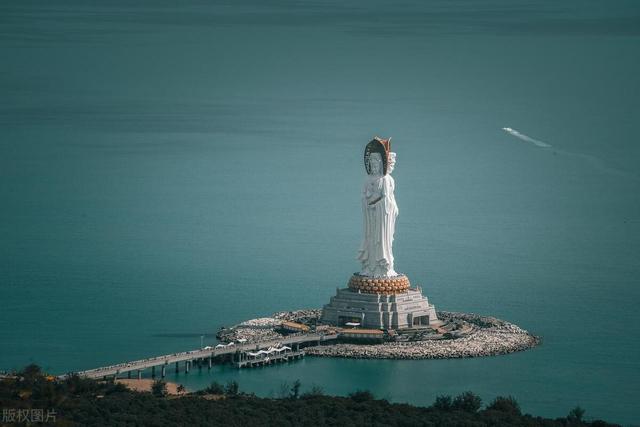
200, 361
139, 374
153, 372
209, 362
187, 365
129, 374
163, 372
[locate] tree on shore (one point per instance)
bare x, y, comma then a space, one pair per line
231, 388
467, 402
316, 391
443, 403
31, 373
214, 388
295, 390
505, 404
159, 388
283, 392
576, 414
361, 396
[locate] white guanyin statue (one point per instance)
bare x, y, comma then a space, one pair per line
379, 210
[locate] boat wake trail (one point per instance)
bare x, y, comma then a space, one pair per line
594, 161
526, 138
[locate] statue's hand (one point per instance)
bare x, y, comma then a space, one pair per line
373, 202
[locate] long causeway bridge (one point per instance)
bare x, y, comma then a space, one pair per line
242, 354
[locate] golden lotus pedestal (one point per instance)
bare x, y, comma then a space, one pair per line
379, 285
379, 303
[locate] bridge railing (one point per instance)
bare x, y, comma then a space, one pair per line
199, 354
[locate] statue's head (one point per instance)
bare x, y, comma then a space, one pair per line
376, 156
375, 164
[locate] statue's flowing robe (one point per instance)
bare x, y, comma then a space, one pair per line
376, 254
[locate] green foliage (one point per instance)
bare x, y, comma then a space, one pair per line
316, 391
231, 388
283, 393
159, 388
80, 402
467, 402
215, 388
31, 373
505, 404
78, 385
295, 390
443, 403
576, 414
360, 396
115, 388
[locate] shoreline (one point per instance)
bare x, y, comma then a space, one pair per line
463, 335
144, 385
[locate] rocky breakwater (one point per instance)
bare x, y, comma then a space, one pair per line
483, 336
460, 335
254, 330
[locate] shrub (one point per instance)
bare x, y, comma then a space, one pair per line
505, 404
215, 388
159, 388
295, 390
231, 388
467, 402
116, 388
361, 396
315, 391
31, 373
576, 414
443, 403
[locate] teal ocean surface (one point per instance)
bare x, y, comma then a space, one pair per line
167, 168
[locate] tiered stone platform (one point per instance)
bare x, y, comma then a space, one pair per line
379, 303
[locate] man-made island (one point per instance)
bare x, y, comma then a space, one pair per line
457, 335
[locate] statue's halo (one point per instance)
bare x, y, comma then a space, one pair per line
378, 145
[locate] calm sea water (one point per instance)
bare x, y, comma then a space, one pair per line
168, 168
